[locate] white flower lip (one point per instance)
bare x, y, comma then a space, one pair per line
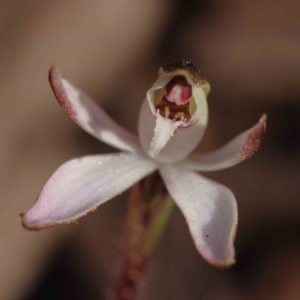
82, 184
192, 117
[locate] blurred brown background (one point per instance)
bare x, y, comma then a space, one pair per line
248, 50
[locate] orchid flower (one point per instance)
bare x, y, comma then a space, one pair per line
172, 121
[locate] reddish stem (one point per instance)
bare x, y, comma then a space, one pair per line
143, 211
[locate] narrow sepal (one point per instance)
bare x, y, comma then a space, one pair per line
236, 151
89, 116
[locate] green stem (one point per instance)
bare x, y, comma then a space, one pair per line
157, 225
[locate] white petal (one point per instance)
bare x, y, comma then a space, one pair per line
89, 116
237, 150
82, 184
210, 210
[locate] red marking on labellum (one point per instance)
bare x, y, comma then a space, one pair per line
175, 104
61, 94
253, 141
178, 90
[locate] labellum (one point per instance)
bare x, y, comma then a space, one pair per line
174, 116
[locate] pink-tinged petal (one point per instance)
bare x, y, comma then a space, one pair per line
237, 150
89, 116
210, 210
82, 184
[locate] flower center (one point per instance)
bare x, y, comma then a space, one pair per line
178, 90
175, 103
